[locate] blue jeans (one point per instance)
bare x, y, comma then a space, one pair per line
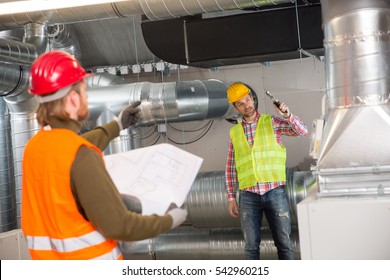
274, 205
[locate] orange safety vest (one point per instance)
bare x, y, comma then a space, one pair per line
51, 222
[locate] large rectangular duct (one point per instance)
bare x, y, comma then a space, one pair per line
276, 34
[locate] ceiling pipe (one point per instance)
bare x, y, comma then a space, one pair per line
17, 52
7, 179
18, 56
62, 37
163, 102
36, 35
15, 58
152, 9
35, 26
173, 9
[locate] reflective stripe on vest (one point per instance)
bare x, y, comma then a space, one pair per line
68, 245
65, 245
115, 254
265, 161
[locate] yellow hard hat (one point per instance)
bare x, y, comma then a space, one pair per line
236, 91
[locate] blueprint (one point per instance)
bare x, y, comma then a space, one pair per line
157, 175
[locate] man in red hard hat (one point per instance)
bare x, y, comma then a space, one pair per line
71, 208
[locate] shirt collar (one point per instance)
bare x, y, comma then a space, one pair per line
69, 124
255, 120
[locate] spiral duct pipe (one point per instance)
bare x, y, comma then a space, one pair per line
209, 232
7, 179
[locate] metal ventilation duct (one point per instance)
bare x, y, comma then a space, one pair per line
172, 8
17, 52
164, 102
7, 179
187, 243
209, 231
277, 34
161, 103
353, 158
152, 9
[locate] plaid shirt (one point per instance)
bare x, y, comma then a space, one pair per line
292, 126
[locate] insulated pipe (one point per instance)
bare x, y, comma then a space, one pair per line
187, 243
357, 52
17, 52
103, 80
36, 35
152, 9
173, 8
128, 139
13, 86
18, 56
24, 126
65, 40
207, 203
7, 179
185, 101
209, 232
164, 102
13, 79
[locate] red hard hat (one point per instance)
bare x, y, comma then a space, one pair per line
55, 70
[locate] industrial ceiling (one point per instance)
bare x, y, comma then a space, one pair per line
253, 31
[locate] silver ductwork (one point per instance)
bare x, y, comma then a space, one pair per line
164, 102
353, 158
24, 126
15, 60
36, 34
65, 40
172, 8
152, 9
208, 195
17, 52
13, 79
7, 178
128, 139
161, 103
209, 232
187, 243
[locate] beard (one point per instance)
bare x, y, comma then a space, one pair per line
83, 112
249, 112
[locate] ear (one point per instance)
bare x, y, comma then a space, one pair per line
72, 104
74, 99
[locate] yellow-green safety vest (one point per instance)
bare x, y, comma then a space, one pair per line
265, 161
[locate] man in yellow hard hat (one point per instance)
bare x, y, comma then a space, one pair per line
256, 167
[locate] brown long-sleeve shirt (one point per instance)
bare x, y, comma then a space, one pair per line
96, 195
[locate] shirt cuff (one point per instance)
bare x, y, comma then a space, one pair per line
231, 197
290, 118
